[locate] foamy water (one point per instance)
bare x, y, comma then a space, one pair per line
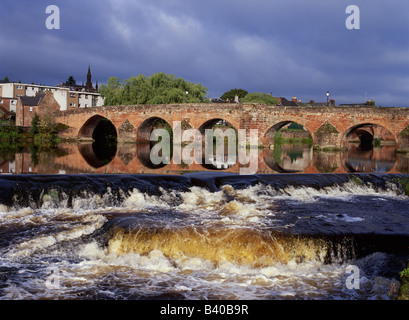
235, 243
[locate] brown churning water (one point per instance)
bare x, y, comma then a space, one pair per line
242, 246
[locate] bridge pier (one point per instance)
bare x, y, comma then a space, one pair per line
327, 137
127, 132
403, 141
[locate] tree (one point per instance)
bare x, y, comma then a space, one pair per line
35, 122
231, 94
71, 81
6, 79
112, 91
159, 88
260, 97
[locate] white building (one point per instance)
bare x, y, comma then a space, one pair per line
65, 96
68, 96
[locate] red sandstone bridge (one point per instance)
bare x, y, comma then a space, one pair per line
330, 127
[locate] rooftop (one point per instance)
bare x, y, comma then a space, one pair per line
32, 101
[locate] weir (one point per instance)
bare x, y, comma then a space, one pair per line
12, 186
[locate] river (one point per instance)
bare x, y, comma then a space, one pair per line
83, 225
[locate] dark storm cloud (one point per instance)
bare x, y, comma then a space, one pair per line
289, 48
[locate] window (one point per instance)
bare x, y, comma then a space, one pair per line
72, 95
72, 104
31, 109
19, 87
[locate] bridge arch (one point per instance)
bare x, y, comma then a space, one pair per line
366, 133
210, 124
95, 126
148, 125
268, 138
103, 135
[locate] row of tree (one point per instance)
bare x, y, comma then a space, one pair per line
159, 88
254, 97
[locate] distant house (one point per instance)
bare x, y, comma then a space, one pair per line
26, 108
43, 104
7, 108
286, 103
5, 114
8, 103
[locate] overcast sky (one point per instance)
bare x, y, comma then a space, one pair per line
283, 47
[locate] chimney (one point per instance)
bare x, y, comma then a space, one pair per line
294, 99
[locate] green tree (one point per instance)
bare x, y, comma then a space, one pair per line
6, 79
35, 123
231, 94
370, 103
260, 97
71, 81
159, 88
112, 91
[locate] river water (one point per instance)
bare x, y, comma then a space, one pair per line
75, 225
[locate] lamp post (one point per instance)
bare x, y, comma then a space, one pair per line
327, 98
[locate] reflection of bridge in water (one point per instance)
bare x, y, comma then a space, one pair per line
135, 159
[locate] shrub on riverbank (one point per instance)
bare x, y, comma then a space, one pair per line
9, 134
404, 286
12, 136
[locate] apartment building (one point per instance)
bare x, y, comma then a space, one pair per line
68, 96
8, 103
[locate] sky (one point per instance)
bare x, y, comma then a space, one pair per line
284, 47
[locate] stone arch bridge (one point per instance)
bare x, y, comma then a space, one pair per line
330, 127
